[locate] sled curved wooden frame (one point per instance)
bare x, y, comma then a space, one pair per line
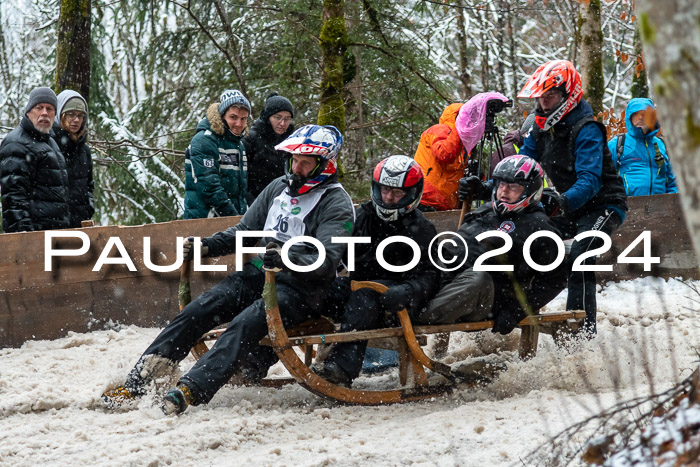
412, 360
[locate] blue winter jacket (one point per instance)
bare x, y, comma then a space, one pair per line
589, 157
644, 165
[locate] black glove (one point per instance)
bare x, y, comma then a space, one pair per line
396, 298
473, 188
272, 259
188, 249
504, 323
553, 203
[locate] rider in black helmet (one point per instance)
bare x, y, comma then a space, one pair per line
397, 186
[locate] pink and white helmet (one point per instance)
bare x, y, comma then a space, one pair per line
524, 171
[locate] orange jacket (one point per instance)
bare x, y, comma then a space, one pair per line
441, 156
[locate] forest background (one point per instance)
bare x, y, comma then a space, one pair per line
381, 71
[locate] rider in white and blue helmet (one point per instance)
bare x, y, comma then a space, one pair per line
321, 142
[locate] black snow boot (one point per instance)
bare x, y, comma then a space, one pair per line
333, 373
177, 400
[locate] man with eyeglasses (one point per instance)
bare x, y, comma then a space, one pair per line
504, 288
33, 173
265, 163
70, 133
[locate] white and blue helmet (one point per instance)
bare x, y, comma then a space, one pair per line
321, 142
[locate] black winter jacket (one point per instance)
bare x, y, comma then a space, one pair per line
333, 216
264, 162
33, 180
80, 183
423, 279
539, 287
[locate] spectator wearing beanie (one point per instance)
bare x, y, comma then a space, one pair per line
216, 165
273, 127
70, 133
33, 171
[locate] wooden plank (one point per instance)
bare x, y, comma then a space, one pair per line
38, 304
529, 337
426, 330
662, 215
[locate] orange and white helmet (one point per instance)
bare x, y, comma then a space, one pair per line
555, 74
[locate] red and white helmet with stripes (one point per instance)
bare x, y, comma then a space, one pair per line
400, 172
555, 74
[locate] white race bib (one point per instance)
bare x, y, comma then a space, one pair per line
287, 213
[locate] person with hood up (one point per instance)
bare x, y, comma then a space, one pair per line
307, 201
70, 133
442, 159
265, 163
216, 166
640, 156
33, 175
571, 148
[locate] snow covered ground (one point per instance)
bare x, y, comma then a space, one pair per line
50, 412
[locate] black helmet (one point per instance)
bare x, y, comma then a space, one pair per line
397, 172
521, 170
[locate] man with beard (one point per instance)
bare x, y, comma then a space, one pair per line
33, 175
308, 201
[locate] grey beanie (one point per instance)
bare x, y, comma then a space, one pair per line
275, 103
232, 97
41, 95
74, 103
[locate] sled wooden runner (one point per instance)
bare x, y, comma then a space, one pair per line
413, 383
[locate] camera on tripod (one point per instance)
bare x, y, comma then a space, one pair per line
494, 106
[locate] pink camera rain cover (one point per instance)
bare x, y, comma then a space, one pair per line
472, 118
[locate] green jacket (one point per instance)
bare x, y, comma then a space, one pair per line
216, 170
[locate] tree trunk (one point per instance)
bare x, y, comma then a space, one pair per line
592, 55
333, 41
464, 77
640, 86
674, 69
73, 47
236, 63
484, 51
354, 152
501, 38
513, 59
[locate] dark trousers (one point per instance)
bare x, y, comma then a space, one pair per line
468, 297
582, 285
360, 311
236, 299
